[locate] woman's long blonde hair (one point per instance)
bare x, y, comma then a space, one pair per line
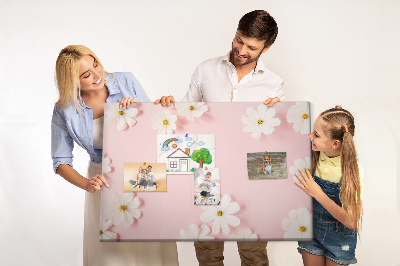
339, 125
67, 75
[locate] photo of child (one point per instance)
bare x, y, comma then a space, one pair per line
141, 177
266, 165
207, 186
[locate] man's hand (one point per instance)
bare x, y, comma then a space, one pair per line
271, 101
165, 100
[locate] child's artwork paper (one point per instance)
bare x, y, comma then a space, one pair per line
184, 152
250, 209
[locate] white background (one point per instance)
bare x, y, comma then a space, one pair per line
327, 52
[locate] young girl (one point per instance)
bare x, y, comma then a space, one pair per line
84, 87
336, 188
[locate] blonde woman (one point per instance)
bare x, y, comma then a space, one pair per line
84, 87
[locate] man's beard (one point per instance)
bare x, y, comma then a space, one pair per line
249, 60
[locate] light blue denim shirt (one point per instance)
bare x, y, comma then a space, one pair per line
69, 125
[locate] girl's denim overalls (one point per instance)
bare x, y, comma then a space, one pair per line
331, 238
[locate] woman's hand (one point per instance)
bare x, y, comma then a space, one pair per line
308, 184
165, 100
95, 183
127, 102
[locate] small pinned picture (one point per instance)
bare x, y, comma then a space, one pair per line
141, 177
207, 186
267, 165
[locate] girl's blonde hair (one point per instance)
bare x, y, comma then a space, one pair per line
67, 75
339, 125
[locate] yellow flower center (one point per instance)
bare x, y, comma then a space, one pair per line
191, 108
165, 122
120, 112
122, 208
219, 213
302, 229
260, 121
100, 232
304, 116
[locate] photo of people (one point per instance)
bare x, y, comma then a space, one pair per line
207, 186
145, 177
266, 165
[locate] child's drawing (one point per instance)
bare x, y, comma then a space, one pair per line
184, 152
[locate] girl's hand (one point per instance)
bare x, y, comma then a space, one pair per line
127, 102
96, 183
308, 184
165, 100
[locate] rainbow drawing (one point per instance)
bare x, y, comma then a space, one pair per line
168, 141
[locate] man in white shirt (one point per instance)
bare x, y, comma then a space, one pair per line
239, 76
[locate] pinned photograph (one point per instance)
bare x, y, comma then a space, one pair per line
267, 165
145, 177
207, 186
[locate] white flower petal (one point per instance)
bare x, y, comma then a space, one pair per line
299, 115
257, 133
252, 113
232, 220
268, 114
127, 218
208, 216
232, 208
121, 123
108, 235
131, 112
224, 226
135, 213
204, 231
194, 230
127, 198
185, 233
130, 121
216, 225
293, 114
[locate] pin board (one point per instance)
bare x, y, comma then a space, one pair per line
205, 171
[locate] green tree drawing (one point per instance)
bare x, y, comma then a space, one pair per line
202, 156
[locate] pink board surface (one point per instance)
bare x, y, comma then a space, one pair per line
264, 209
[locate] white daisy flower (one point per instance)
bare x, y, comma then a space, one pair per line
164, 122
104, 234
300, 164
222, 215
123, 117
244, 234
299, 115
106, 165
299, 224
261, 121
195, 233
122, 209
191, 110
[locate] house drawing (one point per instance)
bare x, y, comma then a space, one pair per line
178, 161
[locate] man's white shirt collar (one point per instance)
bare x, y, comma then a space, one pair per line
260, 64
